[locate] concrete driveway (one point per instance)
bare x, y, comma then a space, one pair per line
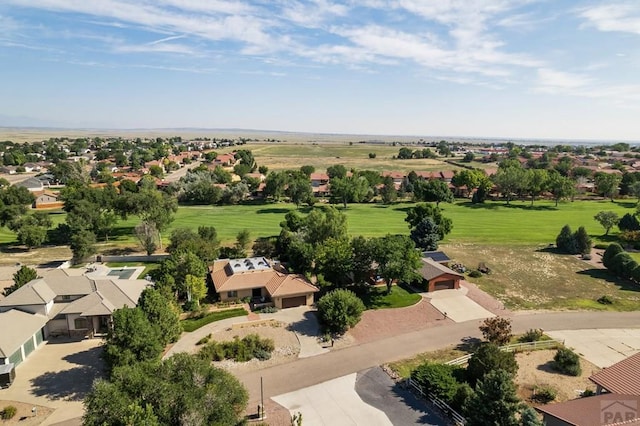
333, 403
58, 375
303, 321
603, 347
457, 305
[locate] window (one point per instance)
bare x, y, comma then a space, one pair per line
232, 294
80, 324
66, 297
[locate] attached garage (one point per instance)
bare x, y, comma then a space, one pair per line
21, 334
293, 302
444, 285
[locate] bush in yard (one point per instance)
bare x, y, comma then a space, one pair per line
544, 394
609, 253
565, 241
239, 350
8, 412
340, 310
629, 222
622, 265
532, 335
436, 379
496, 330
567, 362
605, 300
475, 274
463, 393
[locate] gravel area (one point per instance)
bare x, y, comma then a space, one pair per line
24, 415
535, 369
286, 343
381, 323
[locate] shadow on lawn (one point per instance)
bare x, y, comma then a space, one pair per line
605, 275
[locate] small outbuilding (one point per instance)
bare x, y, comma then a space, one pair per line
7, 375
438, 276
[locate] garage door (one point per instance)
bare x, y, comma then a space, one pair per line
28, 347
292, 302
445, 285
16, 358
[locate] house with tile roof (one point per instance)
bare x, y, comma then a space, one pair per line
61, 304
617, 401
261, 280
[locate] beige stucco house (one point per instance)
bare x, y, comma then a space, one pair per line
260, 280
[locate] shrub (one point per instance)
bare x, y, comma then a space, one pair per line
532, 335
605, 300
463, 393
436, 379
629, 222
8, 412
268, 310
340, 310
204, 340
190, 306
544, 394
609, 253
496, 330
567, 362
239, 350
622, 265
487, 358
475, 274
630, 236
587, 392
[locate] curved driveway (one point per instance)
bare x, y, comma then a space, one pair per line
306, 372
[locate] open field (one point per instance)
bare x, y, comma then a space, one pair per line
530, 277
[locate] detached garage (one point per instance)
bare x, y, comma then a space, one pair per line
438, 276
21, 334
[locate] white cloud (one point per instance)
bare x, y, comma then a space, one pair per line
552, 81
621, 17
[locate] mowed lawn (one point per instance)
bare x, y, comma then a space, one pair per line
490, 223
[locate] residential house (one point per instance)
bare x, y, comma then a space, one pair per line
438, 276
61, 304
319, 184
260, 280
32, 184
617, 401
48, 200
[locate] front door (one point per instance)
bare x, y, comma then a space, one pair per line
256, 292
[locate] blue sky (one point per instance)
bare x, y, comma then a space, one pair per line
487, 68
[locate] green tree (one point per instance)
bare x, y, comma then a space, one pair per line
325, 223
609, 253
607, 219
629, 222
196, 288
495, 401
565, 241
583, 241
147, 236
132, 339
634, 189
568, 362
349, 189
340, 310
426, 234
307, 170
509, 180
607, 184
162, 313
468, 157
436, 379
488, 358
274, 185
561, 187
388, 192
334, 260
433, 190
337, 171
299, 190
20, 278
82, 245
536, 182
416, 214
397, 259
529, 417
181, 390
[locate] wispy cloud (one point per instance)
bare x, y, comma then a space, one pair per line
619, 16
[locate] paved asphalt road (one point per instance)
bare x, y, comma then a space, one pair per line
402, 407
306, 372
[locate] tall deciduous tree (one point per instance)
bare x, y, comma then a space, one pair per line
147, 236
433, 190
607, 219
509, 180
607, 184
561, 187
397, 259
162, 313
536, 182
416, 214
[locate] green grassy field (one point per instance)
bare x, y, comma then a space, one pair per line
489, 223
377, 297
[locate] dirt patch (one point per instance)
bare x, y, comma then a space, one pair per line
535, 370
25, 415
285, 341
40, 256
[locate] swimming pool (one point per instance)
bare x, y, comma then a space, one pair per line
123, 274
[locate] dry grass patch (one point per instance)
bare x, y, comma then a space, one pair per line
535, 370
24, 416
529, 277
